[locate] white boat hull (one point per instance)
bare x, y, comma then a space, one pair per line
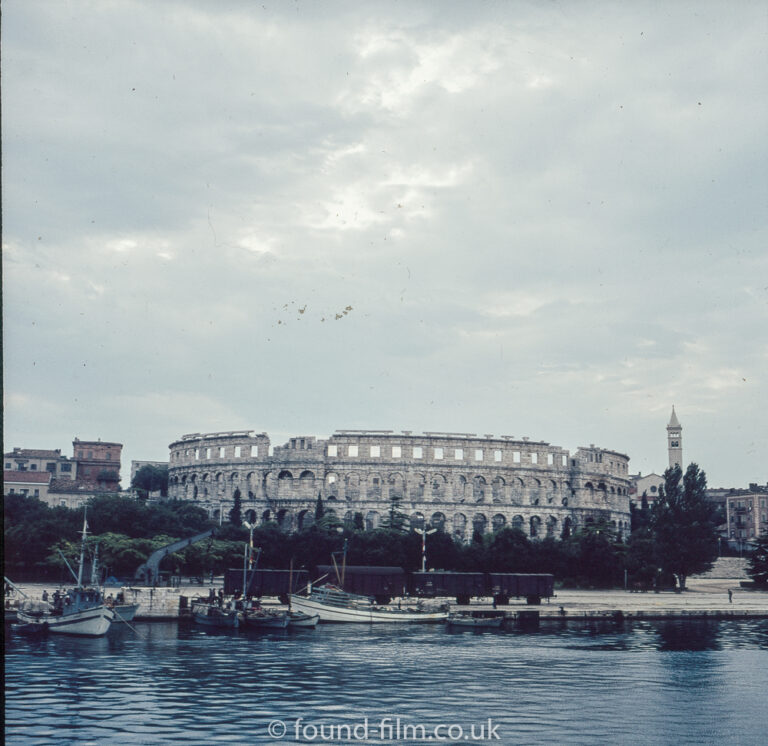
125, 612
89, 623
364, 615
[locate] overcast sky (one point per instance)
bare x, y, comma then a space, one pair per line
542, 219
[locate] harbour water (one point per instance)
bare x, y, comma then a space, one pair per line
672, 682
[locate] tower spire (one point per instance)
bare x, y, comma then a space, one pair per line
675, 440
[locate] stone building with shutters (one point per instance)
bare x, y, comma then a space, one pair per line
456, 482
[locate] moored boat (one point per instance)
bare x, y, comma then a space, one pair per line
300, 619
475, 622
77, 611
264, 619
333, 604
125, 612
212, 615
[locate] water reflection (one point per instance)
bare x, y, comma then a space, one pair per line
693, 634
599, 682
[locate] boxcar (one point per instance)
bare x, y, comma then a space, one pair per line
265, 582
383, 583
462, 585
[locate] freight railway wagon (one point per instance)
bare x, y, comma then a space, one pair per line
466, 585
385, 583
260, 583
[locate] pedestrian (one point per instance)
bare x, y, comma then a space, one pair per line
45, 596
730, 596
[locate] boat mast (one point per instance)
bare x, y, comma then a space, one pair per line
82, 549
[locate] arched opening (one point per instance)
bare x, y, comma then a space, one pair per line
478, 489
371, 520
438, 521
417, 521
479, 523
497, 490
535, 524
460, 525
551, 527
498, 522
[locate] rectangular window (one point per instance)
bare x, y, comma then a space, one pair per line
375, 451
417, 452
37, 493
221, 451
397, 451
565, 460
458, 454
33, 467
254, 451
478, 454
66, 467
332, 450
51, 468
197, 453
238, 451
438, 454
109, 456
62, 502
534, 458
352, 452
208, 452
8, 466
516, 457
550, 459
497, 456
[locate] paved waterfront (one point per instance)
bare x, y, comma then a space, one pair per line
707, 595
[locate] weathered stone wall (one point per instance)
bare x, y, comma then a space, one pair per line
458, 481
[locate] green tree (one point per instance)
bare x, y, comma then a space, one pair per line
319, 508
395, 519
150, 479
236, 514
757, 567
683, 524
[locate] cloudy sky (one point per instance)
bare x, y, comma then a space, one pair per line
542, 219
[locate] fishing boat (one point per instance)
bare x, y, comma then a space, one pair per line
264, 619
213, 615
333, 604
300, 619
125, 612
475, 622
77, 611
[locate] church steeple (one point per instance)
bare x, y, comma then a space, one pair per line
675, 440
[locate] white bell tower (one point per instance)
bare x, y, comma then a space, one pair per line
675, 440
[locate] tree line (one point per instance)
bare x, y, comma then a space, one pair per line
668, 543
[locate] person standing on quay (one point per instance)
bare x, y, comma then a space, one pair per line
730, 596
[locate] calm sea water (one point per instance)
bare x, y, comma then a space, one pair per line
651, 683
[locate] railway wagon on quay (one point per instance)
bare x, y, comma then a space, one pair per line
386, 583
260, 582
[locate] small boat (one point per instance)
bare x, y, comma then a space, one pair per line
77, 611
263, 619
475, 622
333, 604
213, 615
125, 612
300, 619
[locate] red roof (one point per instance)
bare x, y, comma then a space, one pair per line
32, 453
27, 477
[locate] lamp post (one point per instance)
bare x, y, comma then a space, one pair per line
248, 552
424, 532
